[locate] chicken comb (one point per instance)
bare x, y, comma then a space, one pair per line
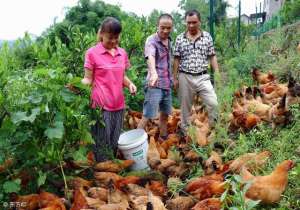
291, 165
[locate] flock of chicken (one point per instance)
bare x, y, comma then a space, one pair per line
111, 191
173, 159
268, 102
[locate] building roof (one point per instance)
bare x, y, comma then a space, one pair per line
258, 15
245, 15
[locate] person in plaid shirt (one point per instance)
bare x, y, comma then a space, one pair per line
193, 52
159, 78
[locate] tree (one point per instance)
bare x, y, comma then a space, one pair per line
87, 15
179, 26
290, 10
201, 5
220, 11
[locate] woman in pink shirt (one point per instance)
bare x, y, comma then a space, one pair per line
105, 65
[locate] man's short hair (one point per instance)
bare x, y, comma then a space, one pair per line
164, 15
192, 13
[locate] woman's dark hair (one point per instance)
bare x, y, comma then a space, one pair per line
164, 15
111, 25
192, 13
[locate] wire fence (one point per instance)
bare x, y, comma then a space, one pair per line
275, 22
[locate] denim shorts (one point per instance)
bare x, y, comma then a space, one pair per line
157, 99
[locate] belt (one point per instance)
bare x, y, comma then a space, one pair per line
194, 74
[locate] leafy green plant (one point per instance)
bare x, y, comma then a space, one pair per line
43, 121
234, 196
175, 186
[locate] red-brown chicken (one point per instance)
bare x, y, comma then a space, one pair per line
205, 187
252, 161
213, 163
31, 201
279, 113
268, 188
127, 180
153, 155
262, 78
243, 120
208, 204
181, 203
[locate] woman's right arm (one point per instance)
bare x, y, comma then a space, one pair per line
88, 77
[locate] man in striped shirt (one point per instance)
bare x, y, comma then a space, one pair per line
159, 79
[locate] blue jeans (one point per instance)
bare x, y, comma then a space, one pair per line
157, 99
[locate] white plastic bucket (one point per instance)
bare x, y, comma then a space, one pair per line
134, 146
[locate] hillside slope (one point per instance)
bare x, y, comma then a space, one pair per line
274, 51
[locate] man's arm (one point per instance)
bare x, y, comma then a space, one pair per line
214, 63
215, 67
152, 70
175, 71
176, 61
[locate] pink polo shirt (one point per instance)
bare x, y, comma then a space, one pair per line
108, 75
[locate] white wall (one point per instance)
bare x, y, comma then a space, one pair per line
272, 7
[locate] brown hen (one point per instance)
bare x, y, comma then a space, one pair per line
268, 188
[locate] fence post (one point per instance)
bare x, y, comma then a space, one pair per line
211, 18
260, 10
278, 21
239, 24
256, 21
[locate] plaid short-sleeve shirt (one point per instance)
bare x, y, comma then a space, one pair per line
162, 54
194, 55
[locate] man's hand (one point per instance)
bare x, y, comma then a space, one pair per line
132, 89
175, 83
217, 78
153, 79
175, 72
